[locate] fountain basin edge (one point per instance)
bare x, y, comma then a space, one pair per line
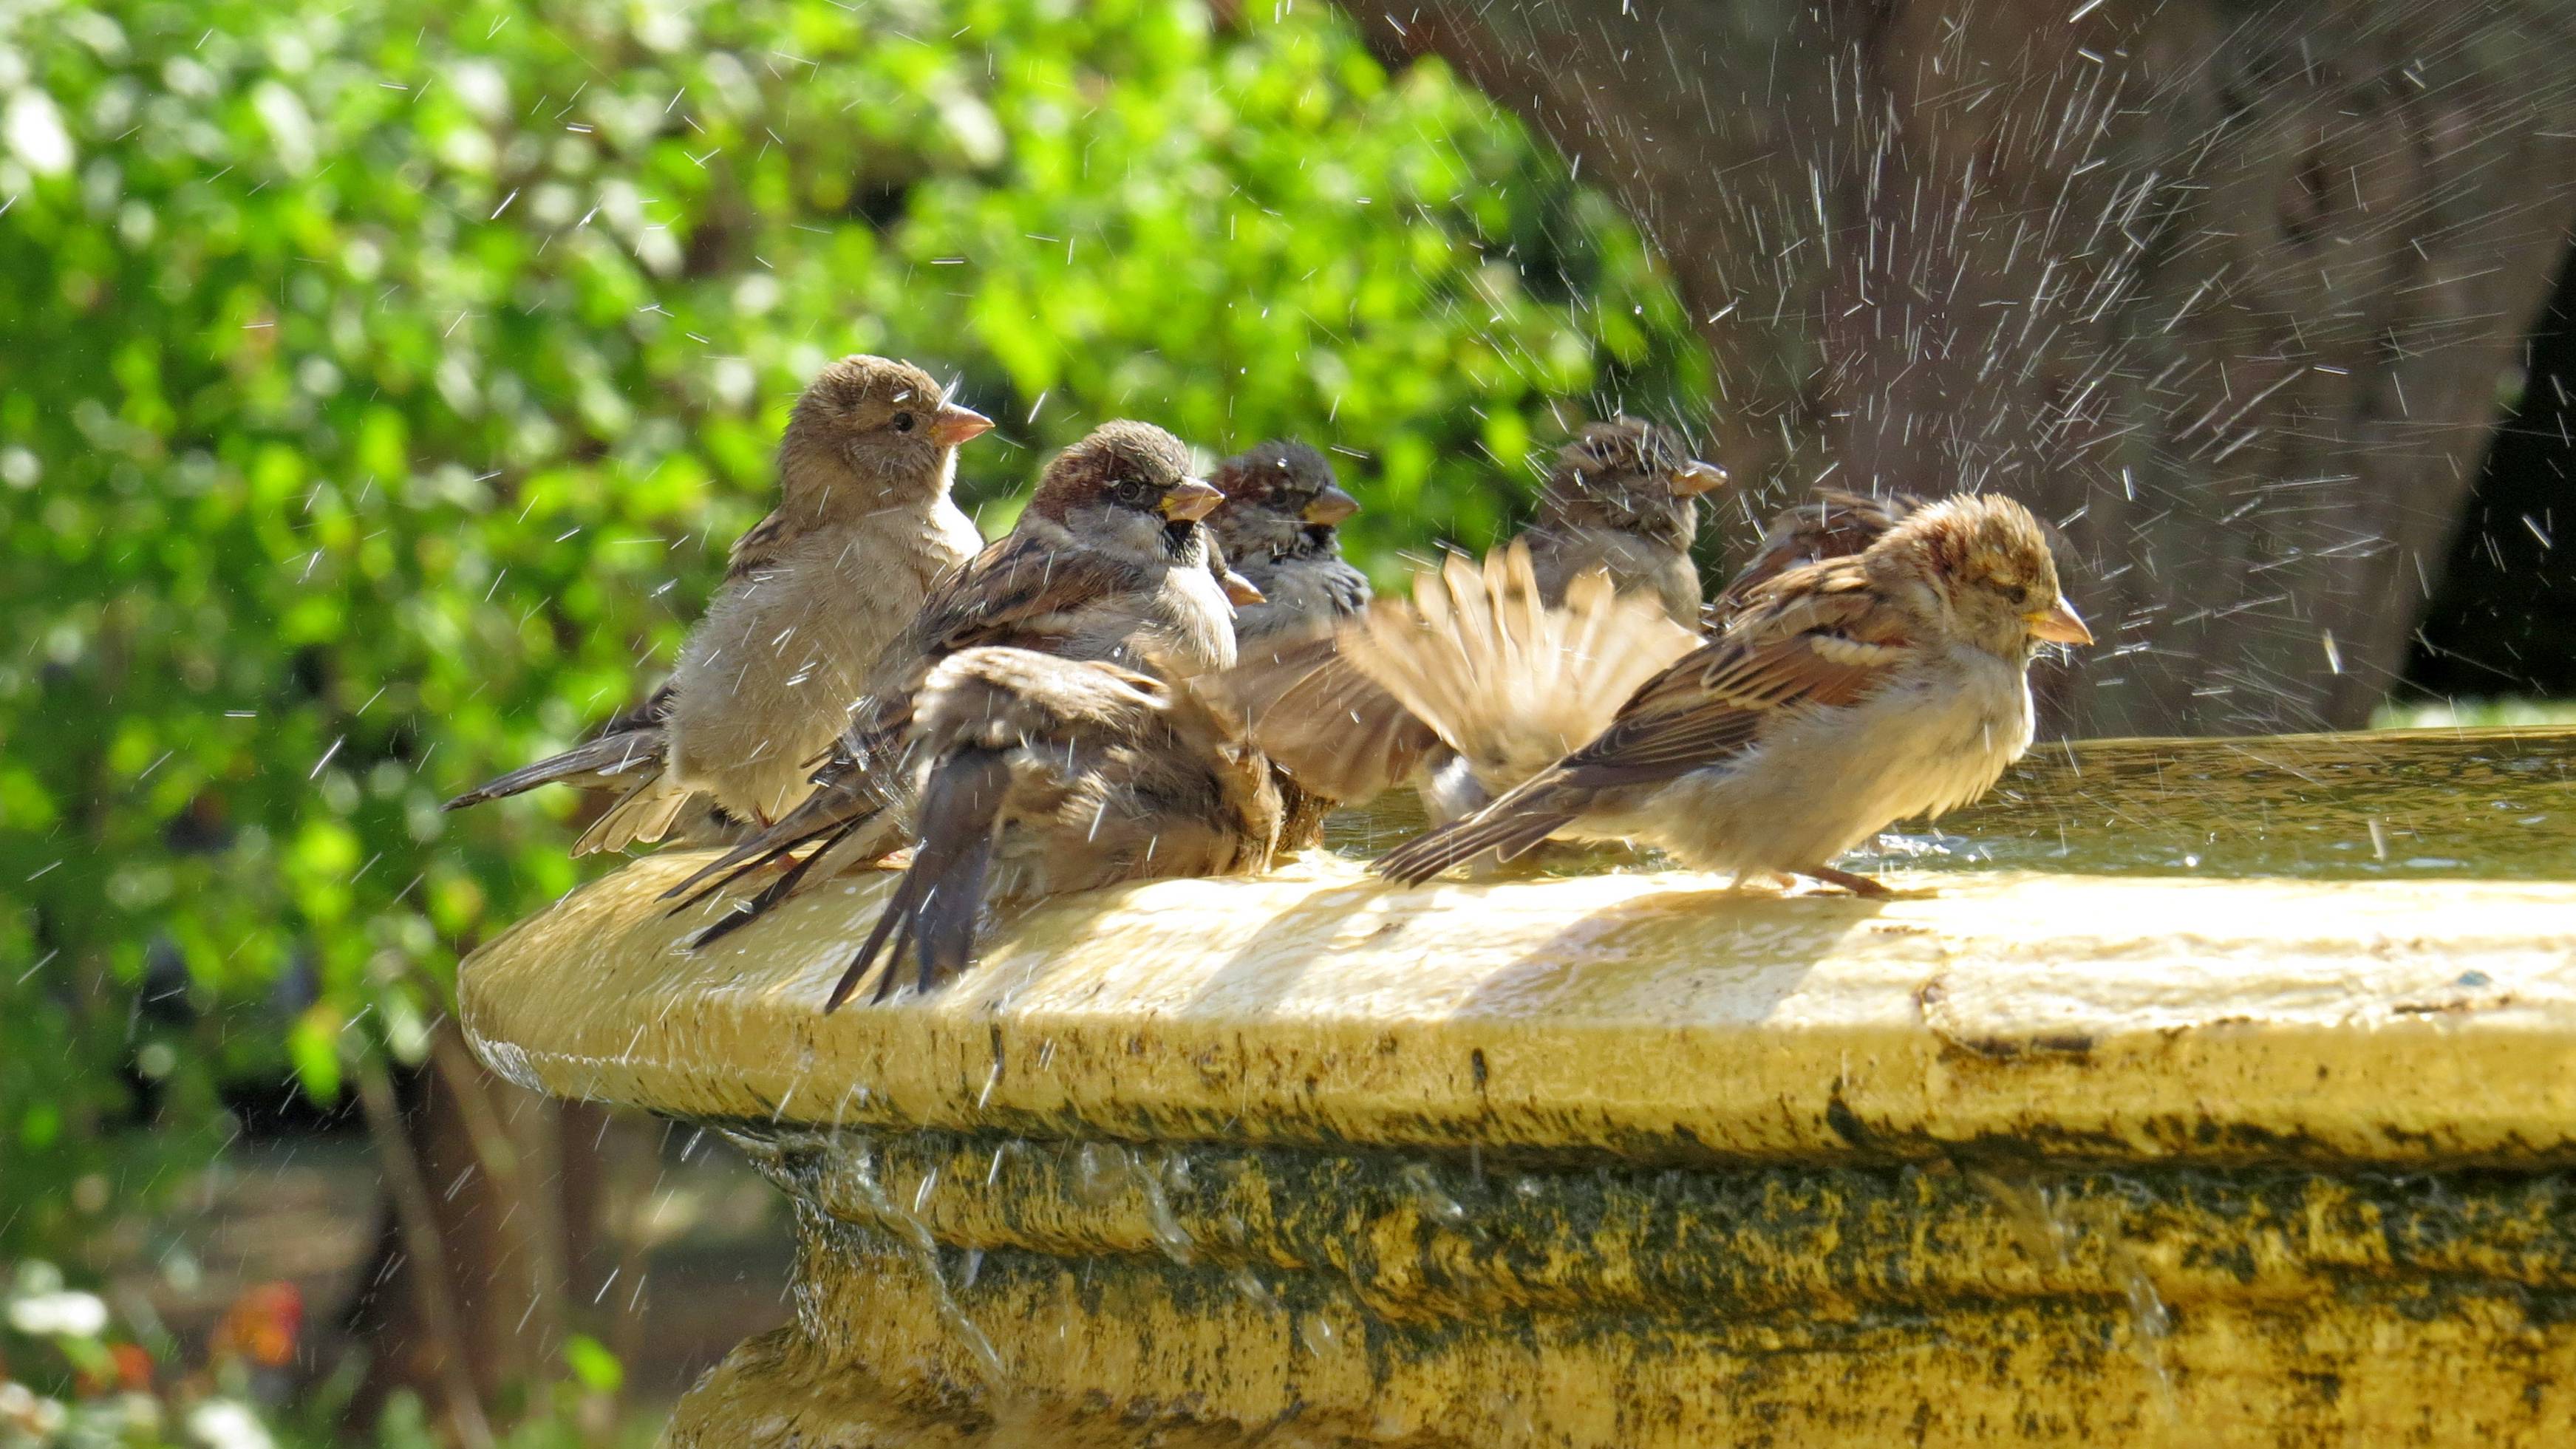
1623, 1159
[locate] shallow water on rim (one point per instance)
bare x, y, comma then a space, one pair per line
2495, 804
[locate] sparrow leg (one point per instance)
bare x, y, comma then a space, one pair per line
1859, 885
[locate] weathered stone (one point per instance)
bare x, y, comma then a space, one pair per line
1635, 1160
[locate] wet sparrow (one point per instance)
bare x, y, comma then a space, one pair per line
1280, 525
1846, 694
1281, 522
814, 591
1623, 498
1042, 775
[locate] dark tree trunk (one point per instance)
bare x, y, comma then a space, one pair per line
2226, 290
511, 1220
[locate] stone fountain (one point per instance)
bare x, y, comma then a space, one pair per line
2203, 1093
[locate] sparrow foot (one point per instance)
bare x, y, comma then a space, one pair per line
1859, 885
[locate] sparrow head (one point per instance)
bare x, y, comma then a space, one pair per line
868, 431
1281, 501
1976, 567
1127, 488
1630, 475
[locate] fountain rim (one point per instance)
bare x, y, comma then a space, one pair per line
1652, 1017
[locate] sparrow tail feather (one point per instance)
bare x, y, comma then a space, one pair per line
1510, 834
935, 906
590, 762
770, 895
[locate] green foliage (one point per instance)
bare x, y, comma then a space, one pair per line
387, 379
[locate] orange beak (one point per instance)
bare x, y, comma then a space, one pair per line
1695, 478
1242, 592
2059, 624
1330, 506
1191, 500
952, 425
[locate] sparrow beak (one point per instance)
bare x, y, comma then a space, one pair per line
1191, 500
1330, 506
2059, 624
1242, 592
1695, 478
952, 425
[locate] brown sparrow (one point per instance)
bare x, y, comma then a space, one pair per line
812, 594
1623, 498
1109, 562
1281, 521
1847, 694
1042, 775
1280, 524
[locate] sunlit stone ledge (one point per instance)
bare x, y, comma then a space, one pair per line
1652, 1016
1625, 1160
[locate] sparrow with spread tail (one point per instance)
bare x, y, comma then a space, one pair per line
863, 527
1621, 505
1281, 522
1041, 775
1109, 562
1623, 498
1846, 694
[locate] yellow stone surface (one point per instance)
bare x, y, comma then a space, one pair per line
1632, 1160
1656, 1015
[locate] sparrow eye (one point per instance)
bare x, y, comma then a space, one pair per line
903, 422
1129, 492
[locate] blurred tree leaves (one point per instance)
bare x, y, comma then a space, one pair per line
387, 379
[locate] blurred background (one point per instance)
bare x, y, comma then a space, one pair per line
385, 382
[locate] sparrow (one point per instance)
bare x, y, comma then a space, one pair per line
1109, 562
1846, 694
1281, 521
1280, 525
1041, 775
811, 594
1623, 498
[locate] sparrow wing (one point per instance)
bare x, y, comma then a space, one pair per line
757, 549
1816, 637
1019, 592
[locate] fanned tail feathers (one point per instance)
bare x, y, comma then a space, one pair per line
1509, 683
